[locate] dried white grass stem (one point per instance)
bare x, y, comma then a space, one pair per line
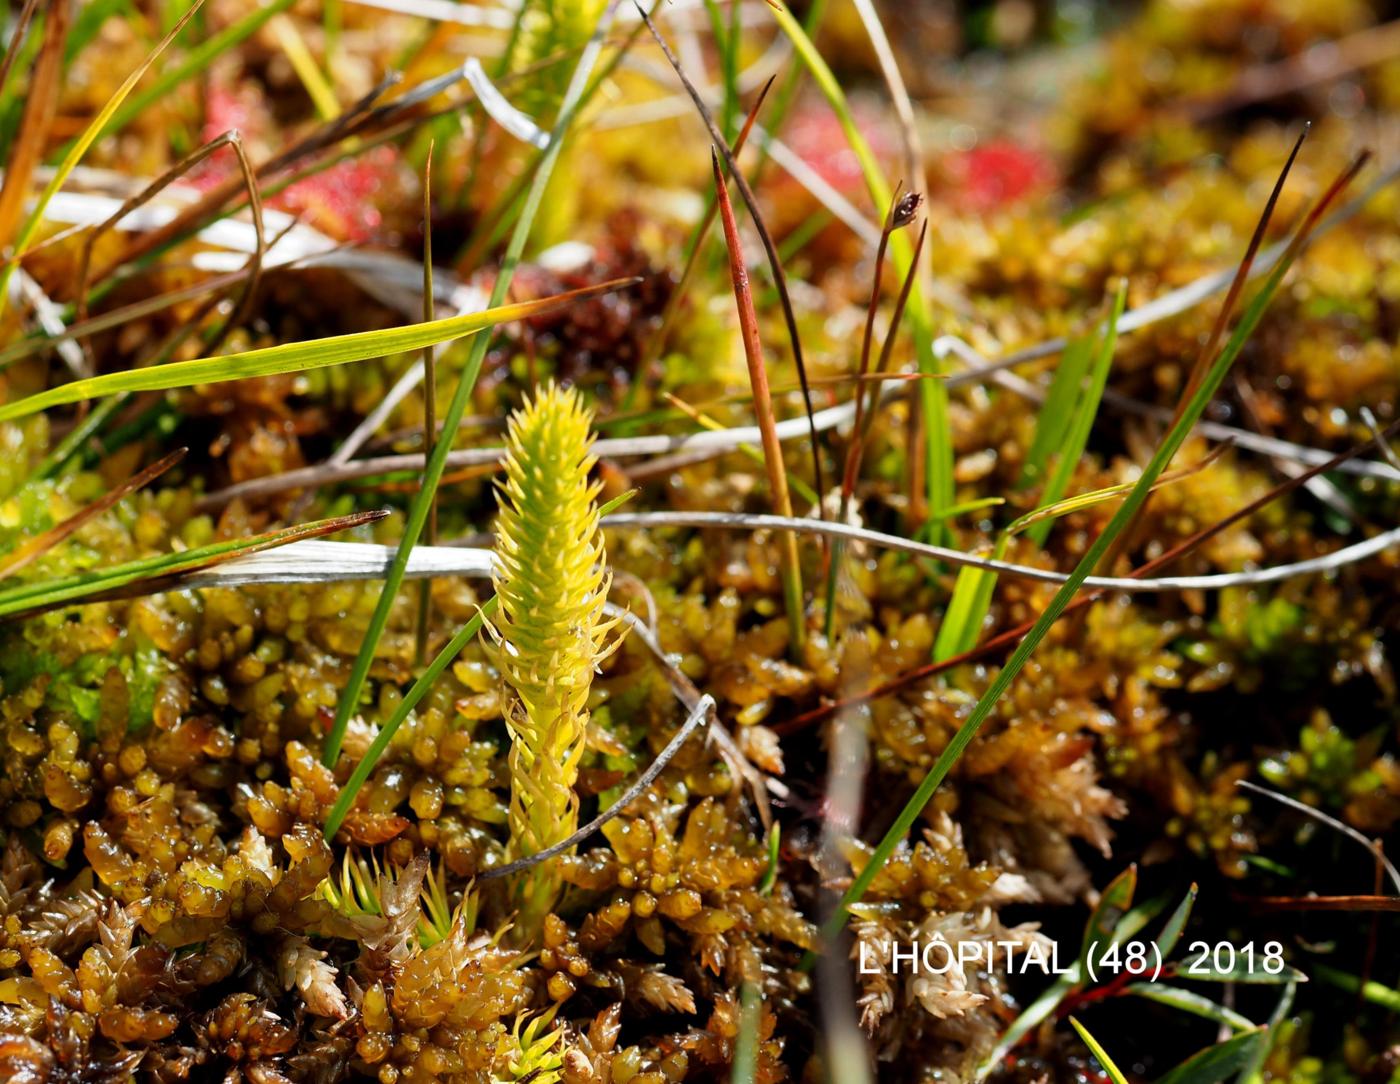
314, 561
1215, 582
698, 714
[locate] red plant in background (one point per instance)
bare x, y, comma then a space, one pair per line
815, 135
997, 174
342, 200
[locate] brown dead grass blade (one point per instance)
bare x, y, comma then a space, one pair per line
1322, 903
657, 343
40, 105
171, 581
253, 271
42, 543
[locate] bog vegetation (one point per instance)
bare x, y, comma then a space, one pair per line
534, 536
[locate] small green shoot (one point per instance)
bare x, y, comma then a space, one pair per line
1115, 1073
552, 581
770, 874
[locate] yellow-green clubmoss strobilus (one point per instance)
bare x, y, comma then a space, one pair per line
552, 581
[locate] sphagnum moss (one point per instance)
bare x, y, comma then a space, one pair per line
552, 581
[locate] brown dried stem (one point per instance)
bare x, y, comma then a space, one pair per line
763, 410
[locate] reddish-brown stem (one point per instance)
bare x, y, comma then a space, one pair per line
763, 409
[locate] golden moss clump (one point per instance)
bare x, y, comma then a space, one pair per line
552, 584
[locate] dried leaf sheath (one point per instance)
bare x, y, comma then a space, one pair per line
552, 582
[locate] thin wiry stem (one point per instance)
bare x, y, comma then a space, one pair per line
335, 561
1382, 442
697, 447
689, 696
1232, 296
896, 217
425, 592
770, 249
1325, 903
457, 560
865, 415
1211, 348
253, 270
1331, 822
1330, 562
904, 111
698, 715
658, 340
216, 201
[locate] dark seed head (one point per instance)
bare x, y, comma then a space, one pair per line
905, 210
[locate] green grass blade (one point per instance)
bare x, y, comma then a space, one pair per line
1215, 1063
45, 594
1107, 916
1056, 413
1171, 932
1190, 1002
1173, 441
1115, 1073
968, 607
1077, 438
416, 692
437, 462
291, 357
